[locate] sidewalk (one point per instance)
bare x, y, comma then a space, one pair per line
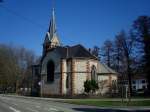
35, 98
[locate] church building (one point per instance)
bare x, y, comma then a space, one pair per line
64, 69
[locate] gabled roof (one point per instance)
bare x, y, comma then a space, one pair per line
77, 51
104, 69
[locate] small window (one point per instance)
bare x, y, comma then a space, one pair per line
36, 71
125, 82
114, 81
67, 81
134, 87
133, 82
143, 81
143, 87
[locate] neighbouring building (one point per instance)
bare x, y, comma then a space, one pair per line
64, 69
139, 83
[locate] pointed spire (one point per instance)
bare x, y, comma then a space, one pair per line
52, 27
51, 38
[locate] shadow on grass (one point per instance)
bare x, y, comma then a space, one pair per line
106, 110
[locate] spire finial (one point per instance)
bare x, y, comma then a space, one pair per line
53, 4
53, 9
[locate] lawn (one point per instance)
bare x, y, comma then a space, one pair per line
108, 103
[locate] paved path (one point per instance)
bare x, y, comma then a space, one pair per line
23, 104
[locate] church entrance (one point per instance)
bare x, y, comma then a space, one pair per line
50, 71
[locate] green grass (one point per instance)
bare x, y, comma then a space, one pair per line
98, 102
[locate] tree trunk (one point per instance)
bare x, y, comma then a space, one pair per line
129, 80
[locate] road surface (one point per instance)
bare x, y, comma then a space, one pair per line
23, 104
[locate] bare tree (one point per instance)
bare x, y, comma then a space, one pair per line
117, 55
96, 51
26, 59
16, 71
107, 52
9, 70
127, 46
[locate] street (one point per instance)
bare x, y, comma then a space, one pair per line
23, 104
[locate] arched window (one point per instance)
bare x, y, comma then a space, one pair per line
50, 71
93, 73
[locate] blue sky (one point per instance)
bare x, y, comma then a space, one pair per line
86, 22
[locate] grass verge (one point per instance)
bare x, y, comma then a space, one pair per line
100, 103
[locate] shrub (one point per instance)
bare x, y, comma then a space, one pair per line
90, 86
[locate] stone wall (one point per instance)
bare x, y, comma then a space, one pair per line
82, 73
105, 82
52, 88
77, 70
63, 76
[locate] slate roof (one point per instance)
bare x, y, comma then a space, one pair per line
77, 51
104, 69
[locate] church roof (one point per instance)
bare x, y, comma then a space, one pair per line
104, 69
77, 51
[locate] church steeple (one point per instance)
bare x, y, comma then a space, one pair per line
51, 38
52, 27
